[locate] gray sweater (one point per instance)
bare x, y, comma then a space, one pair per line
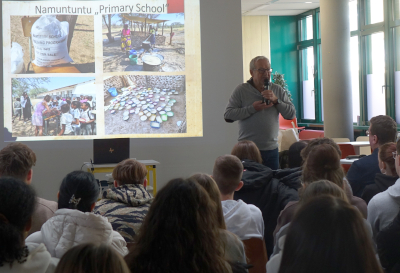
260, 127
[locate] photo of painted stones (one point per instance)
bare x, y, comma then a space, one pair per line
137, 104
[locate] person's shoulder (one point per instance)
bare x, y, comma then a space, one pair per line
255, 211
47, 204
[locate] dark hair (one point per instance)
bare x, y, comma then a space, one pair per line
328, 235
80, 185
181, 228
17, 203
227, 172
211, 188
76, 103
47, 98
16, 160
91, 258
384, 127
57, 97
129, 171
318, 141
385, 155
323, 162
247, 149
18, 99
65, 108
87, 104
295, 149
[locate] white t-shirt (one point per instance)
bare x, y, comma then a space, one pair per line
76, 114
67, 119
86, 115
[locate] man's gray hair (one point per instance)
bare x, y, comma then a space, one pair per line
254, 60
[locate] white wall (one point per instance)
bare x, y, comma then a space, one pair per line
256, 40
221, 42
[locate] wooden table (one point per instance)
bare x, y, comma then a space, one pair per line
356, 145
108, 168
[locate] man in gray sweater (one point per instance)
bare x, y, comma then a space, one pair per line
259, 121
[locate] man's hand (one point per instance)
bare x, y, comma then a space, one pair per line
269, 95
259, 105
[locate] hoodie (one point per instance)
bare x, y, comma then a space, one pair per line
125, 207
243, 220
39, 260
382, 183
383, 208
69, 227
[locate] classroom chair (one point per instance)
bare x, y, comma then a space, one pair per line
340, 139
310, 134
364, 150
346, 149
256, 254
288, 124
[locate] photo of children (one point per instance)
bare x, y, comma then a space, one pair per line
144, 42
52, 44
56, 106
138, 104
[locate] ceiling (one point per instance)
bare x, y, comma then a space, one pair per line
277, 7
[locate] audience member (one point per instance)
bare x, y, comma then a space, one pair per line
268, 194
127, 204
323, 162
384, 206
382, 129
91, 258
295, 159
74, 223
17, 203
387, 177
234, 250
17, 160
179, 233
327, 235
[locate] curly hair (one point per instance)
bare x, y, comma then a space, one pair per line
17, 203
179, 233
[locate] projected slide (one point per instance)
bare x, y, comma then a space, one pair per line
101, 69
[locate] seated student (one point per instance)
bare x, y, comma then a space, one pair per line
17, 203
17, 160
327, 235
261, 189
66, 121
387, 177
75, 111
234, 250
294, 157
323, 162
86, 119
388, 244
384, 206
92, 258
382, 129
241, 219
127, 204
74, 223
179, 233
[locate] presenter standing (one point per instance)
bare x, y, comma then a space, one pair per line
256, 104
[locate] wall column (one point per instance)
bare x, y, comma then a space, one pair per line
335, 49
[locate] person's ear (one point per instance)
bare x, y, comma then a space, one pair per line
145, 183
29, 177
239, 186
58, 195
92, 206
115, 183
251, 72
28, 225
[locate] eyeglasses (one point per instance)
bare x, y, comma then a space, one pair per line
394, 154
262, 70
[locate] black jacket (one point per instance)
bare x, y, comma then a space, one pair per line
382, 183
270, 191
388, 244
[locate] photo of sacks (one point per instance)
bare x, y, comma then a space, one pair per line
145, 105
52, 44
144, 42
56, 106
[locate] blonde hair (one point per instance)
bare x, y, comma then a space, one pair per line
129, 171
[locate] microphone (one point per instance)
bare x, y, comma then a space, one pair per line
266, 86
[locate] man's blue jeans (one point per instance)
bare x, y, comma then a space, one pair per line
270, 158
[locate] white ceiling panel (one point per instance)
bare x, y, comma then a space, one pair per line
277, 7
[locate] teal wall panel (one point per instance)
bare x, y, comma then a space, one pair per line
284, 57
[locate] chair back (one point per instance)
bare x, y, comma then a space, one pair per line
346, 149
27, 23
341, 139
310, 134
256, 254
287, 124
364, 150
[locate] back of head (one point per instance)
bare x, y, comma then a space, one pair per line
17, 203
181, 228
129, 171
227, 172
323, 162
91, 258
328, 235
322, 187
78, 190
247, 149
65, 108
385, 155
384, 127
295, 149
211, 188
16, 160
318, 141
